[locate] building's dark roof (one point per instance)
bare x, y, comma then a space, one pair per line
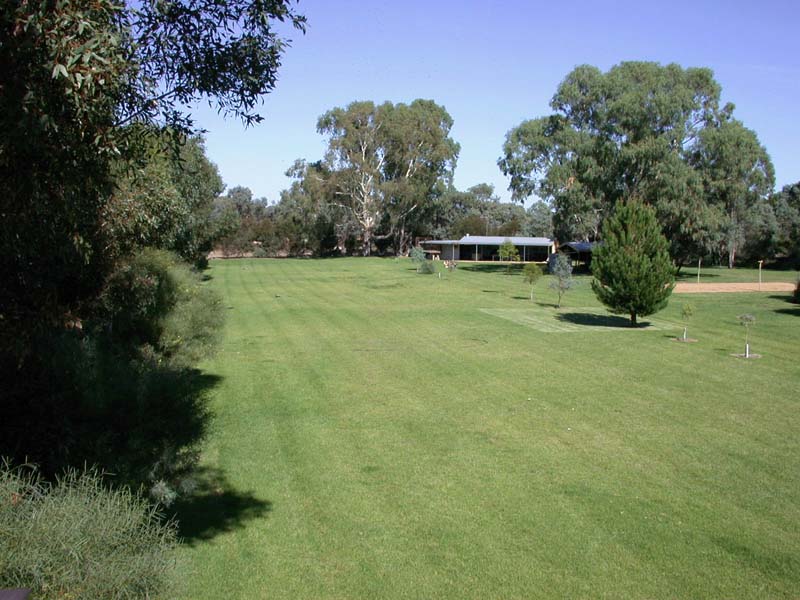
494, 240
580, 246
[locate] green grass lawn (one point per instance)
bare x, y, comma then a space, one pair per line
725, 275
383, 434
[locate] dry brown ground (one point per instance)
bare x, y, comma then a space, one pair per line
705, 288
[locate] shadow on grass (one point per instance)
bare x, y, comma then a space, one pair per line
794, 312
215, 507
787, 297
516, 268
593, 320
547, 304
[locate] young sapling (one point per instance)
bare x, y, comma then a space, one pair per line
747, 321
686, 314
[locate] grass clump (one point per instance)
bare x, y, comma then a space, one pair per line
78, 539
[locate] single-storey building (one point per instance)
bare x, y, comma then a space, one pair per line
487, 248
579, 252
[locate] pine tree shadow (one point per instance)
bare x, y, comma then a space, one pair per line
794, 312
787, 297
215, 507
595, 320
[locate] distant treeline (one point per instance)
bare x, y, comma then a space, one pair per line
639, 132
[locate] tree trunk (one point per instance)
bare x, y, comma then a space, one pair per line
731, 256
366, 245
633, 319
402, 242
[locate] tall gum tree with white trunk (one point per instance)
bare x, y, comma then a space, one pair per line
387, 162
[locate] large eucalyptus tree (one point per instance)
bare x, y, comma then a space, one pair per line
387, 162
629, 133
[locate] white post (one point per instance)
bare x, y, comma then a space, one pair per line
761, 262
699, 260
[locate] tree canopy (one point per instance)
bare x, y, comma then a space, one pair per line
636, 131
387, 162
99, 163
83, 85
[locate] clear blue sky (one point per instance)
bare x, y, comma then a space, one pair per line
492, 64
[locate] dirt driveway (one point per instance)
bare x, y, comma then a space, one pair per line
708, 288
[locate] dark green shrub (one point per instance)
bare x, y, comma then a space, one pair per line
632, 268
121, 392
155, 304
426, 267
77, 539
137, 296
259, 252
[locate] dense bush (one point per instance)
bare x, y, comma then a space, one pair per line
156, 304
426, 267
77, 539
797, 292
417, 254
120, 392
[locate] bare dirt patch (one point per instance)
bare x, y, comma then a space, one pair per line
712, 288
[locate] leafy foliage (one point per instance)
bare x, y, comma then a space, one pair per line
737, 176
426, 267
633, 272
78, 539
687, 311
386, 164
417, 254
747, 321
153, 301
97, 162
540, 220
640, 130
508, 251
86, 85
561, 270
786, 208
532, 273
119, 391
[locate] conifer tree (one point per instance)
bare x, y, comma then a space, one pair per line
633, 272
